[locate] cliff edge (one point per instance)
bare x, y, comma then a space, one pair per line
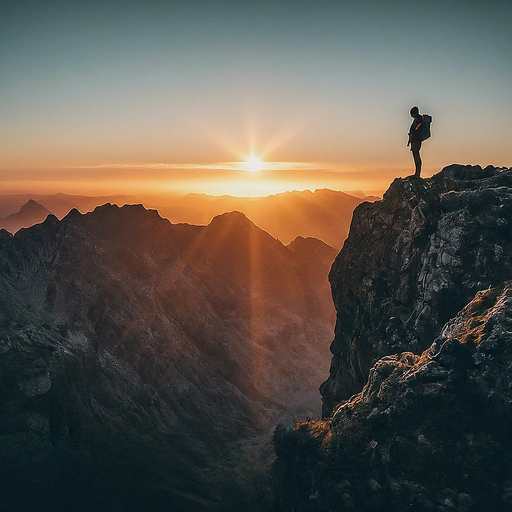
411, 262
419, 399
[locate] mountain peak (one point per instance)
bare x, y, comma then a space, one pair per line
301, 242
29, 214
32, 207
234, 216
234, 220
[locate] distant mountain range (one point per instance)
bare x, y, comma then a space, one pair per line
29, 214
59, 204
23, 210
323, 214
142, 362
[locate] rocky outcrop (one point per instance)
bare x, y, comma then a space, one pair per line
140, 360
428, 432
411, 262
419, 399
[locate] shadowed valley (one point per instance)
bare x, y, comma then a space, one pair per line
145, 363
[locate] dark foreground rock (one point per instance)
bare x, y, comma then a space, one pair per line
418, 404
428, 432
143, 363
411, 262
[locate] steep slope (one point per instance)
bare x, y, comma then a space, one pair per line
29, 214
418, 402
427, 432
411, 262
310, 257
140, 357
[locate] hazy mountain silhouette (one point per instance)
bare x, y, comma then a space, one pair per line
323, 214
144, 363
59, 204
29, 214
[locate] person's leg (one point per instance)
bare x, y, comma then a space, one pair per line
415, 148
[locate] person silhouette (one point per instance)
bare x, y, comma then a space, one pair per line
415, 139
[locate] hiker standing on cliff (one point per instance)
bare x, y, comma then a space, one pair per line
418, 132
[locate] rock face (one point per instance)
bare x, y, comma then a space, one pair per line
427, 432
411, 262
140, 359
419, 399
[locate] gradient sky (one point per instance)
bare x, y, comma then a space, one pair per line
107, 96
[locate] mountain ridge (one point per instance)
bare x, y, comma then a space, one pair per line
144, 362
323, 214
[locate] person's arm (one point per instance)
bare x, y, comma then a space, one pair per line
413, 129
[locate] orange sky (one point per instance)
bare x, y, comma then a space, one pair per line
109, 98
227, 178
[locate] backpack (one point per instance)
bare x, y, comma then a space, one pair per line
424, 129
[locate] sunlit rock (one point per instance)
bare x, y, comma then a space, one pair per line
427, 431
419, 400
411, 262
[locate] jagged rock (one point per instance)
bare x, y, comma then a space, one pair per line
141, 360
411, 262
428, 432
424, 340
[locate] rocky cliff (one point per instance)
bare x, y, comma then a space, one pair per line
411, 262
418, 402
428, 432
140, 360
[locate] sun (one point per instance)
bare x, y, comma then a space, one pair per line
253, 164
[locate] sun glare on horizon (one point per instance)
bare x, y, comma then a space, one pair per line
253, 164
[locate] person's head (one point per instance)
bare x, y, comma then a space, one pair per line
415, 112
